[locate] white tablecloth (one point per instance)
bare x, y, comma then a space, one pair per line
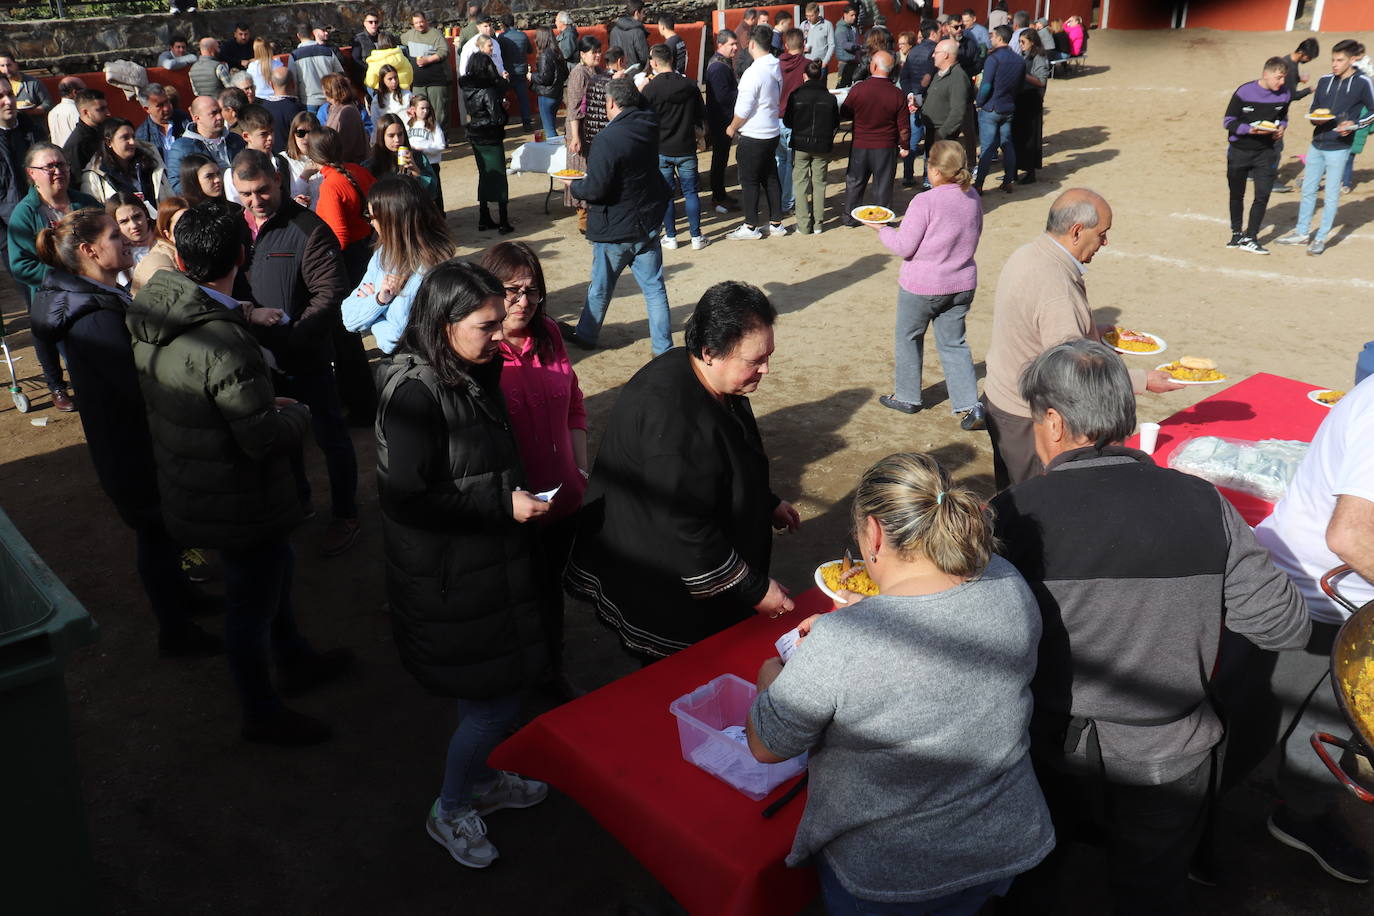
549, 156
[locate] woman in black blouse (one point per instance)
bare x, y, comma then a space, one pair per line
675, 542
460, 557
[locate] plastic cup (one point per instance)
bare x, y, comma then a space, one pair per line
1149, 437
538, 136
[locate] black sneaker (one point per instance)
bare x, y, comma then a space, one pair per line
287, 728
1281, 188
315, 669
1252, 246
973, 419
570, 335
1326, 839
1235, 239
891, 401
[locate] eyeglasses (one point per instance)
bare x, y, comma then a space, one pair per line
531, 294
52, 168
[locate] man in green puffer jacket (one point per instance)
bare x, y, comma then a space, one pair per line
222, 443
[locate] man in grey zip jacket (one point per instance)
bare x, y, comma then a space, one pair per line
1124, 736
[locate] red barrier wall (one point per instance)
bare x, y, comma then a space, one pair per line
1347, 16
1239, 15
1137, 14
129, 109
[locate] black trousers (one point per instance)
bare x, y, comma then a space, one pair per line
1263, 167
1013, 447
720, 158
1149, 832
878, 164
758, 178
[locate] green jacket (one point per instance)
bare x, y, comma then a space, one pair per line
29, 218
222, 446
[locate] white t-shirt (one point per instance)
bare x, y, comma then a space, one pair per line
757, 102
469, 49
1339, 463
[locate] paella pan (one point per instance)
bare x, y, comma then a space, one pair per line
1352, 679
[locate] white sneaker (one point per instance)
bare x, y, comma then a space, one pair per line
464, 835
699, 242
721, 208
510, 791
776, 230
1293, 238
669, 242
745, 234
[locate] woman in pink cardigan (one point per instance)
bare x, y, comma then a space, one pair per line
936, 242
1073, 27
544, 401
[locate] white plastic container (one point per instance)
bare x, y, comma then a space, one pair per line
701, 716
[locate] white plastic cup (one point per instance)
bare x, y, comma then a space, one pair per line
1149, 437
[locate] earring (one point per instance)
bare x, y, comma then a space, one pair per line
873, 558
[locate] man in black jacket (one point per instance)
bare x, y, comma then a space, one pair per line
1124, 737
222, 443
915, 76
1306, 50
677, 102
85, 142
365, 42
626, 198
297, 269
722, 87
812, 116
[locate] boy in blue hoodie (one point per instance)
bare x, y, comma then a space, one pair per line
1339, 96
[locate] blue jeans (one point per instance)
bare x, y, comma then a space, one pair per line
918, 130
645, 260
257, 591
681, 172
840, 902
784, 158
915, 313
1349, 180
521, 87
995, 131
482, 724
548, 113
1331, 163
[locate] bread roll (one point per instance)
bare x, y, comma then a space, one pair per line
1196, 362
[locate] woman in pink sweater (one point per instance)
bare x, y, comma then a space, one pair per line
936, 242
550, 423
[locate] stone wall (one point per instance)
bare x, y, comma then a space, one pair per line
84, 45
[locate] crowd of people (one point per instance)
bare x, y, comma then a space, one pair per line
208, 275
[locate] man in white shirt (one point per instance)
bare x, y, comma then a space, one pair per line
1325, 520
177, 56
756, 129
63, 117
484, 29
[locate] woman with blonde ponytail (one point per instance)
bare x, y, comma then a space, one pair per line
936, 242
922, 795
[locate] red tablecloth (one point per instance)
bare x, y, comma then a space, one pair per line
1263, 406
616, 752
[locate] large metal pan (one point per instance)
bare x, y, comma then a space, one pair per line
1354, 644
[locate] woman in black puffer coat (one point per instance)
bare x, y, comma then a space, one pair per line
549, 78
460, 557
80, 305
484, 96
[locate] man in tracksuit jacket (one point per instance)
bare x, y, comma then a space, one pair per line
722, 89
1251, 152
1124, 736
1003, 73
1347, 94
847, 46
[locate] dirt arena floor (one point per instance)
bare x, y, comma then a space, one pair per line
186, 818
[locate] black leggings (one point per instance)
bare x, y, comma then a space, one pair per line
758, 176
1264, 170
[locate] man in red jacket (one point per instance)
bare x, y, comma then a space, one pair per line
882, 132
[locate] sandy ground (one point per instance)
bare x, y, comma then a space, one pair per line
185, 818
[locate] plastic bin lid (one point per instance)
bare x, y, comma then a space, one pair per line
33, 601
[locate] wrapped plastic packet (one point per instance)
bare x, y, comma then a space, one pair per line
1260, 469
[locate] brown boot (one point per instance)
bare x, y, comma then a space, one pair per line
582, 220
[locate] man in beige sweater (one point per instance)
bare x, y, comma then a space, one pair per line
1042, 301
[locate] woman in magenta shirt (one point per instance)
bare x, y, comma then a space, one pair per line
545, 406
936, 242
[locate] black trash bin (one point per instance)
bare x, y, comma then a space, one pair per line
45, 856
